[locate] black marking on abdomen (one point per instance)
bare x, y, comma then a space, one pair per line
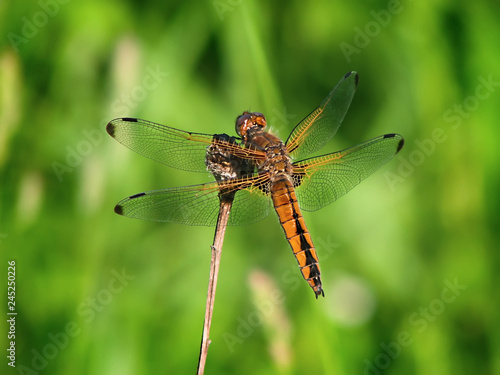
314, 274
304, 245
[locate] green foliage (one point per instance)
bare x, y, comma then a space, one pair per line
408, 258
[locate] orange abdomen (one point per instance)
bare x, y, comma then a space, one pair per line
297, 235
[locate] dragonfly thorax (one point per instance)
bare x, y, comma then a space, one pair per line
277, 160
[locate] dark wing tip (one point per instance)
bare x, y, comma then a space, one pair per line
400, 145
110, 128
119, 209
356, 76
119, 206
401, 142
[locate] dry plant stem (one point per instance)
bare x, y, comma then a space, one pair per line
225, 208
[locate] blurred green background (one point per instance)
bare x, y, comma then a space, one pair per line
408, 258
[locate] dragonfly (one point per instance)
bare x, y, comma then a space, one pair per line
257, 170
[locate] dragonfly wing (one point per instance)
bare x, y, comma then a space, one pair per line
173, 147
198, 204
322, 180
250, 205
319, 127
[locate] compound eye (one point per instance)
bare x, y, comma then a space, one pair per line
260, 119
242, 124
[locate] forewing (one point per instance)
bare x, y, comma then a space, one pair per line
322, 180
318, 128
173, 147
199, 204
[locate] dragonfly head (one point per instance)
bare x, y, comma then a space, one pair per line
249, 120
